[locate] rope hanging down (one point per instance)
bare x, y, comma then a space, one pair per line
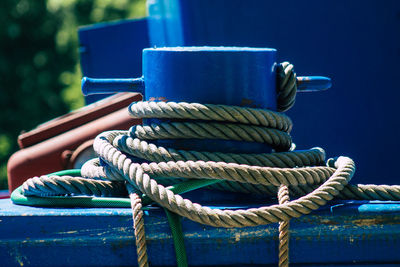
300, 174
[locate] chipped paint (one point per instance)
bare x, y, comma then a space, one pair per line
113, 237
375, 221
237, 237
19, 258
328, 222
66, 233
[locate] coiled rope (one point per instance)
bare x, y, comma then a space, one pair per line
303, 175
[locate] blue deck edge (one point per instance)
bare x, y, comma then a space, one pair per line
342, 233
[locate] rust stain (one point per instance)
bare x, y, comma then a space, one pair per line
374, 221
163, 99
329, 222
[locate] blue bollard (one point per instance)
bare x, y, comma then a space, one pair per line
238, 76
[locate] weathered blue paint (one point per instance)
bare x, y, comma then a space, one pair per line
344, 233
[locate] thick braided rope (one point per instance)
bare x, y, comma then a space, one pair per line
209, 112
150, 152
279, 140
135, 174
283, 197
352, 192
67, 185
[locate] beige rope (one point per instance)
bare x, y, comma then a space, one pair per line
279, 140
67, 185
209, 112
134, 173
138, 226
287, 88
283, 197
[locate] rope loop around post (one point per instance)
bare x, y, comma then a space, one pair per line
302, 175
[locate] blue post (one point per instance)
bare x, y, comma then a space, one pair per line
91, 86
313, 83
240, 76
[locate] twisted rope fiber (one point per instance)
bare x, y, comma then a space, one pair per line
283, 197
279, 140
134, 173
138, 225
67, 185
286, 90
257, 173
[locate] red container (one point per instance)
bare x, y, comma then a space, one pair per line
50, 147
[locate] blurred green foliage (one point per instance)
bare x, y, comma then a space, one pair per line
39, 68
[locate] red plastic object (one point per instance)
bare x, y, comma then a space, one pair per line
47, 148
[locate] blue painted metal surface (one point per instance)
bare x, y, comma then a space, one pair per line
239, 76
357, 43
214, 75
112, 50
107, 86
345, 234
313, 83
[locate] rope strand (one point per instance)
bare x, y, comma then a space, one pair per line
283, 197
138, 226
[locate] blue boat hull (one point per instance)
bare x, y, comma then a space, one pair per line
354, 233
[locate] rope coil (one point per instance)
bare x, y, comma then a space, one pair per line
300, 174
